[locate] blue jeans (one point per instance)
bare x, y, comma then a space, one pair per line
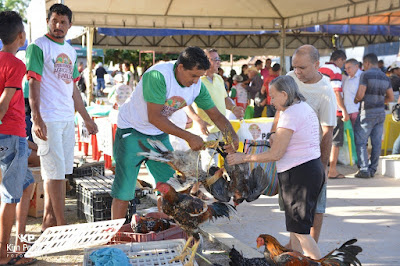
100, 84
369, 125
17, 177
396, 146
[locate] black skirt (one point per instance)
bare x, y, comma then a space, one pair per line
300, 187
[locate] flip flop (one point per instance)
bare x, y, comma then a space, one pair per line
14, 261
339, 176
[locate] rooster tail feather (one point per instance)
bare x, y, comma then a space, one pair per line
222, 209
236, 258
158, 145
347, 253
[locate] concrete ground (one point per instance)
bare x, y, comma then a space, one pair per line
366, 209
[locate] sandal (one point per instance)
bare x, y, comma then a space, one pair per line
14, 261
199, 195
339, 176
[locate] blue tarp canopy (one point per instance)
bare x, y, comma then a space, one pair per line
355, 29
331, 29
172, 32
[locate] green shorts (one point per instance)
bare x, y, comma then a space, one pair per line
125, 149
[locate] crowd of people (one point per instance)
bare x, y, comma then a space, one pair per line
309, 105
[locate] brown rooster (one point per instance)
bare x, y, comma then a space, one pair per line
189, 212
276, 254
144, 225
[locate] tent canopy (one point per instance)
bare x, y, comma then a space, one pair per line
246, 15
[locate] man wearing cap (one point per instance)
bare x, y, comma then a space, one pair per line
395, 79
216, 88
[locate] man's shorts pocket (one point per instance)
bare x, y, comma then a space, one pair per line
43, 145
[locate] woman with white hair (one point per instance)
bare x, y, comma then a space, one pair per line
296, 150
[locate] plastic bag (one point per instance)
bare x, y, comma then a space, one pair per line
256, 147
347, 153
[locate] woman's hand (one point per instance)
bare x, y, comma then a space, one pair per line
236, 158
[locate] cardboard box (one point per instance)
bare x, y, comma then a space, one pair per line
36, 204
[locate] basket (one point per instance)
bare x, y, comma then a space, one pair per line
87, 169
126, 235
147, 253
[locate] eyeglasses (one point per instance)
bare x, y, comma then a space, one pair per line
217, 59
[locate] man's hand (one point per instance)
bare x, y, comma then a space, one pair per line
91, 126
345, 117
195, 142
40, 129
238, 111
202, 125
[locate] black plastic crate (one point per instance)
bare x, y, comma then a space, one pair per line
87, 169
94, 199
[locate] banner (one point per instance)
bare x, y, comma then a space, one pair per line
104, 136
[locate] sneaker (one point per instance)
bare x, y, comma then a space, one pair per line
362, 174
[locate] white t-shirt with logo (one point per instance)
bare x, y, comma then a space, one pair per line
159, 85
55, 67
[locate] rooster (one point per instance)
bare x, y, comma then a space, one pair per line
189, 212
144, 225
237, 259
190, 165
276, 254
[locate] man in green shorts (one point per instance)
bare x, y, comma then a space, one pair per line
163, 89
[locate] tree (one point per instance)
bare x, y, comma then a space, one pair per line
15, 5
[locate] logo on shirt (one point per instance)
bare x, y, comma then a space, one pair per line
63, 68
172, 105
255, 131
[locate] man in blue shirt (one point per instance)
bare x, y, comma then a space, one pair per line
374, 91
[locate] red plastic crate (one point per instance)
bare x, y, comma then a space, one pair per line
126, 235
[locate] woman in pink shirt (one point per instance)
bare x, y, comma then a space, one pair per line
296, 150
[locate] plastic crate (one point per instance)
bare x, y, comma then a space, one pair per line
87, 169
146, 254
126, 234
94, 199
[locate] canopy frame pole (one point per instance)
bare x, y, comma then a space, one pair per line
283, 47
89, 55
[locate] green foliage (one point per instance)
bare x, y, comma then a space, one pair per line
132, 56
15, 5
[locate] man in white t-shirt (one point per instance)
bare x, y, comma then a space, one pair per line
350, 87
53, 96
320, 96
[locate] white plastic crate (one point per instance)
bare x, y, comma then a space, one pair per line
67, 237
155, 253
